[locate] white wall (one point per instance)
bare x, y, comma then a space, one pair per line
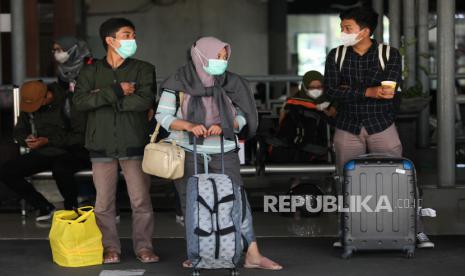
327, 24
164, 33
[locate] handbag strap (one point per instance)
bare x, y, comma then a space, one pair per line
155, 133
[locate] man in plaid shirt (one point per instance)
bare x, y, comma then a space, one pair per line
365, 119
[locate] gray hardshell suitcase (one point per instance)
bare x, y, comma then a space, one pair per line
215, 213
384, 179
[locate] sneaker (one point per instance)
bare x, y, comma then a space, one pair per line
43, 224
180, 220
45, 213
337, 244
423, 241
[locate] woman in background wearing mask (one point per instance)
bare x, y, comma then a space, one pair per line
311, 91
216, 105
71, 55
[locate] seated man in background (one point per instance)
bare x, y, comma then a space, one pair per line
53, 145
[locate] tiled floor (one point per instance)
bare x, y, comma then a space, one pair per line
299, 256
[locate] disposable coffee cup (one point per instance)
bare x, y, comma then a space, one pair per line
389, 84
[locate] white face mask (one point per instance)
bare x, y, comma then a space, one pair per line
61, 57
314, 93
349, 39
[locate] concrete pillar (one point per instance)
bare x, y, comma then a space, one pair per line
423, 64
409, 42
277, 42
378, 6
446, 94
64, 22
18, 43
31, 21
394, 23
1, 74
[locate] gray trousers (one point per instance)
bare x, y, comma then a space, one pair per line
232, 169
349, 146
105, 175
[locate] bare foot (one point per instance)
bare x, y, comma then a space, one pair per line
147, 256
111, 257
187, 264
261, 263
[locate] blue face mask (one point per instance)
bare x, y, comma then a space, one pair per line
127, 49
215, 66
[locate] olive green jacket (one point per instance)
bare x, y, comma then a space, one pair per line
117, 125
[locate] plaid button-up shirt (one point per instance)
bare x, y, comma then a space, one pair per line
349, 85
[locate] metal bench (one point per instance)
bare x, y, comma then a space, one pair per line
245, 170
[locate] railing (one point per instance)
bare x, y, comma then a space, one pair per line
268, 80
245, 170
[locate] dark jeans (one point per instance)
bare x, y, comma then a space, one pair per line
63, 167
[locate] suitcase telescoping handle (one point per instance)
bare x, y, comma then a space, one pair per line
375, 154
195, 155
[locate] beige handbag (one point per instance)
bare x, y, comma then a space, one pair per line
163, 159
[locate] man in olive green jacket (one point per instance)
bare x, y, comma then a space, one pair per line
117, 93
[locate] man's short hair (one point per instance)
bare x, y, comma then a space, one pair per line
112, 26
364, 17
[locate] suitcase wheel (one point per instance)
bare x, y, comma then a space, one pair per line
347, 254
196, 273
234, 272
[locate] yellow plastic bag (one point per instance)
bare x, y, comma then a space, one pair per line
76, 239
